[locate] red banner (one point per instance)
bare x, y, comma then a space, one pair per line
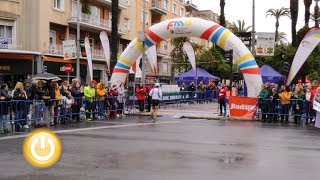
243, 107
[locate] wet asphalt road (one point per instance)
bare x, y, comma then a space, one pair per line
181, 149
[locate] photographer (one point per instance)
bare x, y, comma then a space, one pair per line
141, 94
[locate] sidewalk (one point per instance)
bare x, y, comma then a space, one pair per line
208, 111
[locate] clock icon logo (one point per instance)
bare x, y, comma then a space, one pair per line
42, 148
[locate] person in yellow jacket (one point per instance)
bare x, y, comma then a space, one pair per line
101, 93
285, 97
90, 93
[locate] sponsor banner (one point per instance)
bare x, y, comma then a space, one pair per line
152, 57
188, 49
106, 47
69, 49
83, 52
307, 45
5, 43
265, 44
89, 57
243, 107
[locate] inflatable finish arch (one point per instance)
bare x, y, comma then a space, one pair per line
193, 27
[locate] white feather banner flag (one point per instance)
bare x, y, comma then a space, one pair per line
106, 47
152, 57
89, 56
188, 49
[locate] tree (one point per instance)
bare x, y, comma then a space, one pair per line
316, 15
294, 11
114, 32
282, 38
307, 4
240, 27
278, 13
222, 18
178, 56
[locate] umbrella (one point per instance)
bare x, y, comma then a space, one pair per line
46, 76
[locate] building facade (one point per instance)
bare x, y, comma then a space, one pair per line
32, 33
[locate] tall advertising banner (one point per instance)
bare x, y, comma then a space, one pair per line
106, 47
188, 49
243, 107
152, 56
265, 44
307, 45
69, 49
89, 57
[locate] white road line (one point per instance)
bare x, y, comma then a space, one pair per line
100, 127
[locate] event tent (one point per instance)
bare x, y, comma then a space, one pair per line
202, 75
270, 75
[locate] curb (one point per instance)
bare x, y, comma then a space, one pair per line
189, 117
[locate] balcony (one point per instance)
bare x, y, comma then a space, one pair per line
123, 4
158, 7
191, 6
89, 23
57, 50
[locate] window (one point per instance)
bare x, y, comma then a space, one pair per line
182, 12
166, 4
52, 37
126, 23
58, 4
174, 8
6, 31
147, 18
165, 67
72, 37
165, 46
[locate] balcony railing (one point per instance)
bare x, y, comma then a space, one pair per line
191, 5
158, 7
92, 21
96, 23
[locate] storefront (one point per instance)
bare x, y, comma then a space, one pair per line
56, 66
17, 68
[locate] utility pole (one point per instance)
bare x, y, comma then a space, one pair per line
253, 38
78, 42
143, 44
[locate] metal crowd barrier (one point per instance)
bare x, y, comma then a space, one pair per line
298, 110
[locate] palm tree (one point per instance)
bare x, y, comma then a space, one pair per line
307, 4
240, 27
282, 39
278, 13
222, 18
114, 32
294, 11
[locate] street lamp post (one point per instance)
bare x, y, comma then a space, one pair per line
253, 39
78, 42
143, 78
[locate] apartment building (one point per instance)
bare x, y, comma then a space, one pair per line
16, 62
35, 29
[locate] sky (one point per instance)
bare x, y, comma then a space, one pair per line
242, 10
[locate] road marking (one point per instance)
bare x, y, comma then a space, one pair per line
101, 127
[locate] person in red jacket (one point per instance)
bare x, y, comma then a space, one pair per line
141, 95
222, 95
